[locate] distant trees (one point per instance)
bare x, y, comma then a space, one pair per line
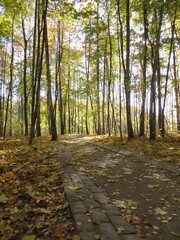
104, 67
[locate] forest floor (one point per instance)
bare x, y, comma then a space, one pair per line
141, 177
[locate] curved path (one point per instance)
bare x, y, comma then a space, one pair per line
96, 178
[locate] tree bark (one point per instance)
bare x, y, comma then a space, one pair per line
104, 89
97, 64
168, 67
127, 76
48, 74
24, 79
177, 93
142, 116
152, 114
11, 77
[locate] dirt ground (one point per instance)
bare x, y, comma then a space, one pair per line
146, 190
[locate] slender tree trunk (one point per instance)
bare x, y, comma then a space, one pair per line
38, 126
69, 75
2, 92
24, 80
104, 88
152, 114
87, 59
159, 94
97, 52
168, 67
142, 116
110, 77
48, 74
177, 93
33, 77
127, 77
120, 83
60, 54
11, 79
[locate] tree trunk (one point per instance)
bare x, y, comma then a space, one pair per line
11, 79
177, 93
87, 59
142, 116
159, 94
97, 52
104, 88
33, 77
120, 83
127, 75
152, 114
48, 74
24, 80
168, 67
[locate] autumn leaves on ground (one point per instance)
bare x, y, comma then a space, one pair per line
32, 200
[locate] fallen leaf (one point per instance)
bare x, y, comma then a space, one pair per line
39, 225
20, 215
176, 199
4, 227
151, 186
3, 198
120, 204
60, 230
159, 211
175, 234
74, 187
75, 237
29, 237
138, 229
156, 228
97, 222
120, 230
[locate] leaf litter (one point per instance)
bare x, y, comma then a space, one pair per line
32, 200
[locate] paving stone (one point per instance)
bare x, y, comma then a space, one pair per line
69, 170
111, 210
101, 198
88, 183
125, 152
107, 231
71, 195
118, 221
83, 223
94, 189
87, 235
82, 174
130, 237
88, 202
83, 193
77, 207
97, 215
84, 178
76, 178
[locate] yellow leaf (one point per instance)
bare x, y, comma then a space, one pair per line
120, 229
75, 237
19, 215
138, 229
159, 211
39, 225
176, 199
29, 237
3, 198
175, 234
97, 222
4, 227
74, 187
153, 186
